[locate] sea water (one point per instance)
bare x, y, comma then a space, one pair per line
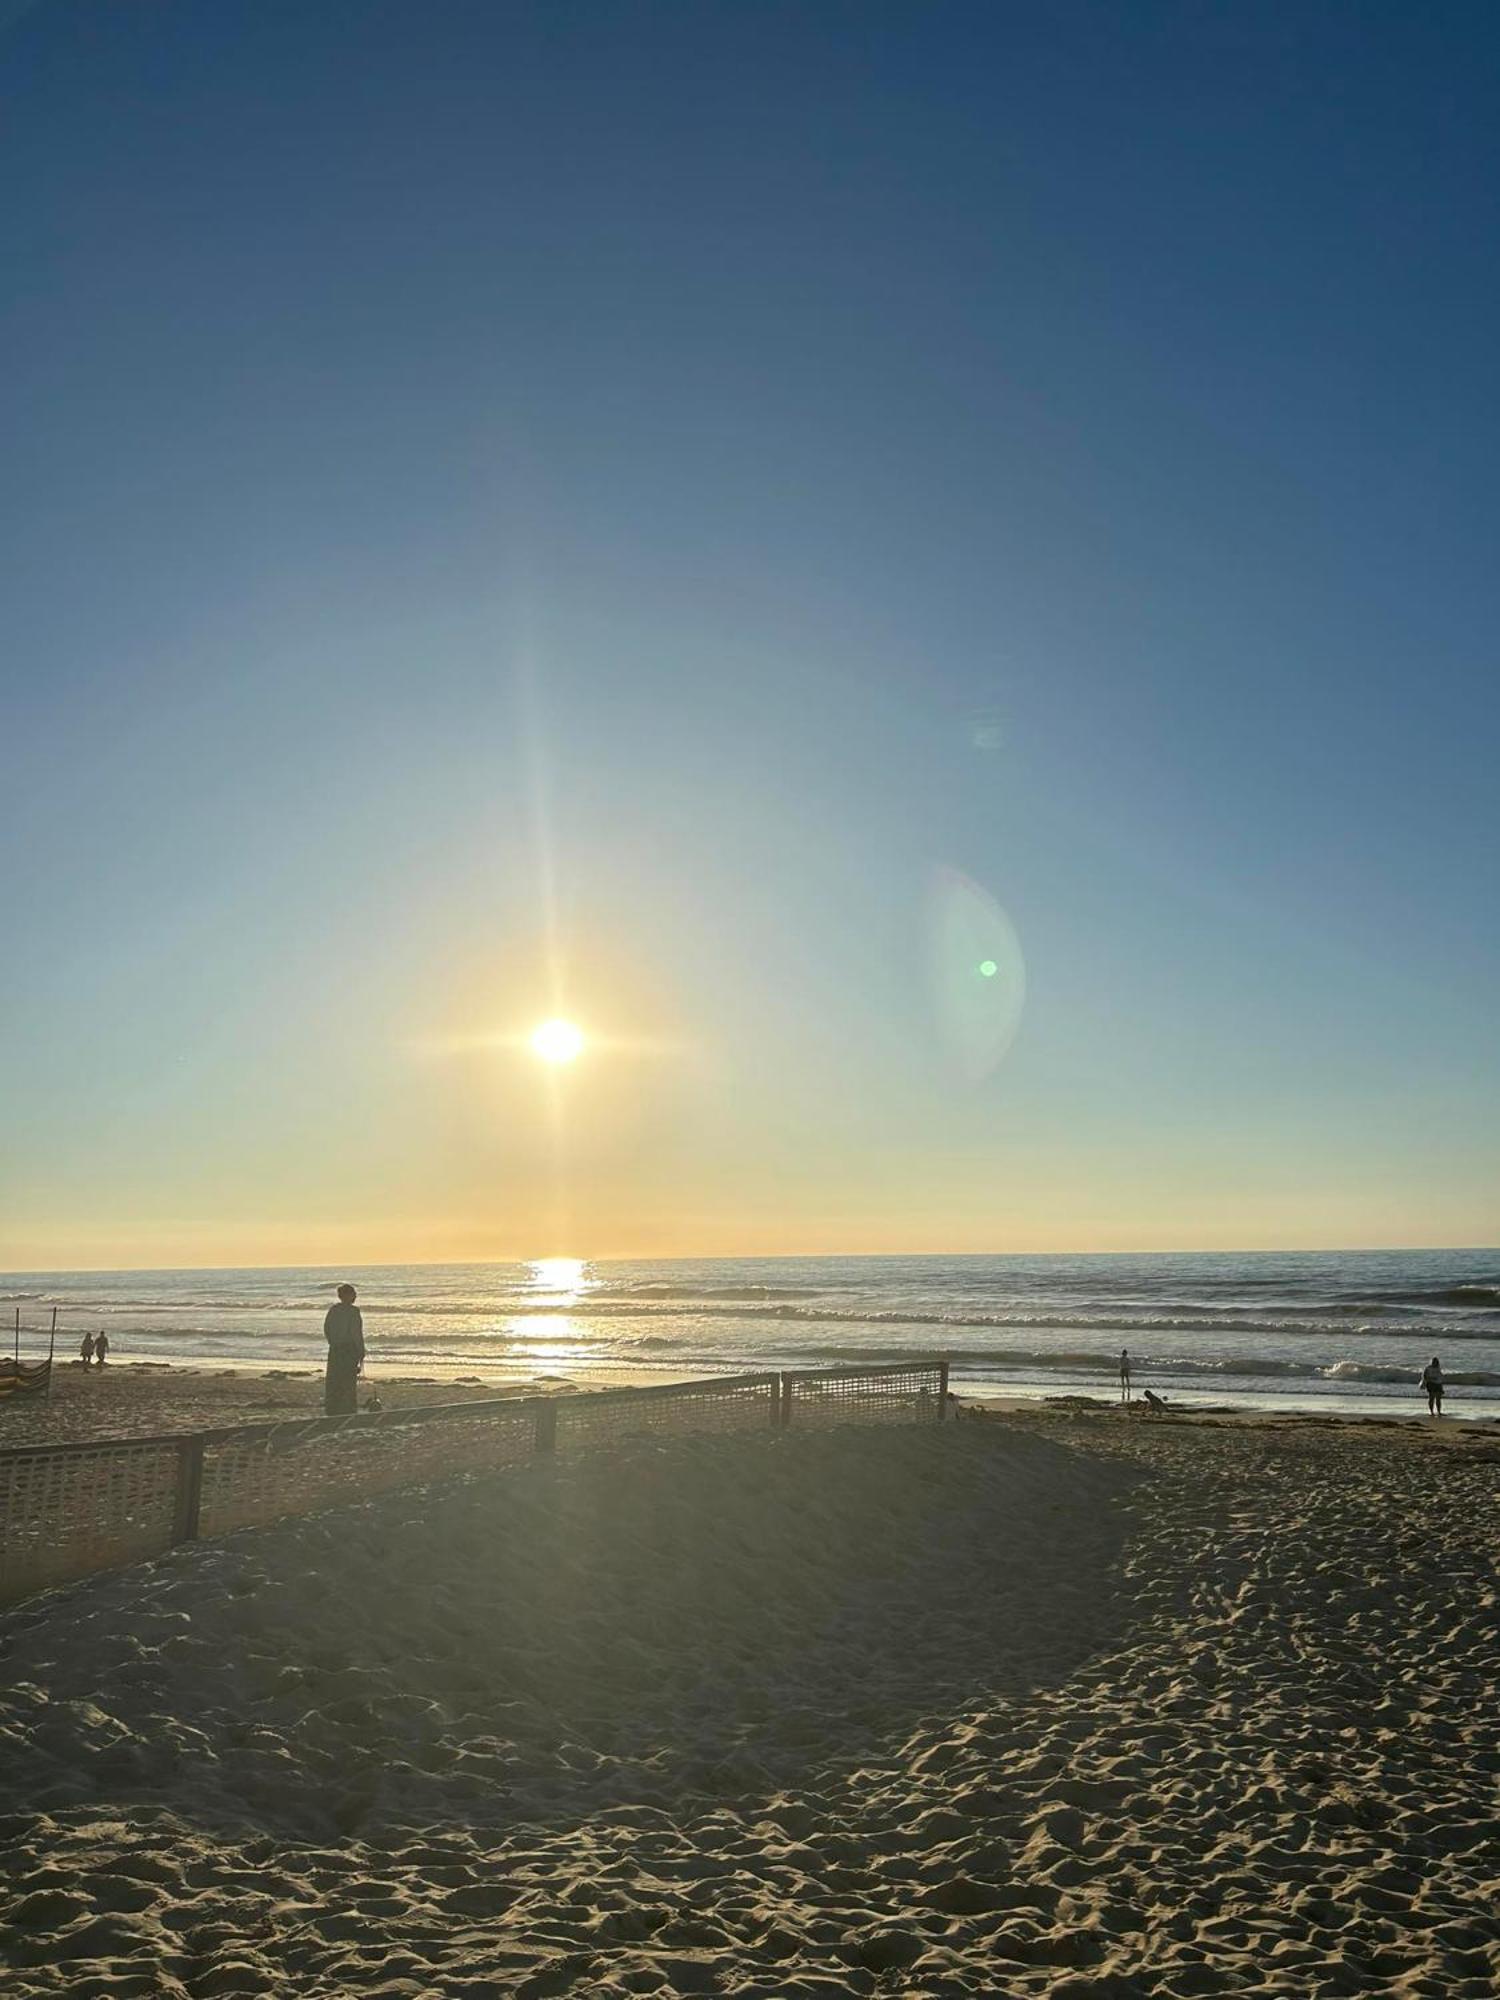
1346, 1330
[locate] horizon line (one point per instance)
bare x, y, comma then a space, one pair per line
768, 1257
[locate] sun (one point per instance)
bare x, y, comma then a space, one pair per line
557, 1041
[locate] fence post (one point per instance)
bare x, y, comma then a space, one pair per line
777, 1387
189, 1489
942, 1390
788, 1385
546, 1427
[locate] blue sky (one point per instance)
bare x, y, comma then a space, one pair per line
637, 490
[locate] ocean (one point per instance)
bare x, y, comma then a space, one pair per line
1336, 1330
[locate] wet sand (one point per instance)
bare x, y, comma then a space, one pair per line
1043, 1702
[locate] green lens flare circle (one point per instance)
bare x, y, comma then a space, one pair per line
987, 968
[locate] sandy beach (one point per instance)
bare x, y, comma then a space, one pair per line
144, 1399
1041, 1702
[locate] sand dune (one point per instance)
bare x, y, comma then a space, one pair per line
1020, 1706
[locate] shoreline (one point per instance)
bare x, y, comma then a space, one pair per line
136, 1398
1249, 1415
1322, 1330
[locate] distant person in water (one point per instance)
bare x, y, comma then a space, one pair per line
86, 1351
101, 1347
1432, 1384
1124, 1374
344, 1330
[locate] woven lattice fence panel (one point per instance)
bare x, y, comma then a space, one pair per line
251, 1477
78, 1508
734, 1403
911, 1393
64, 1513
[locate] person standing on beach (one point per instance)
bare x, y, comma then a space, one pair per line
344, 1330
86, 1351
1124, 1374
101, 1347
1432, 1383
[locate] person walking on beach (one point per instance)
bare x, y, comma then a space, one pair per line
344, 1330
86, 1351
1432, 1384
101, 1347
1124, 1374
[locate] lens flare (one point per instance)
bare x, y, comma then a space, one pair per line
978, 973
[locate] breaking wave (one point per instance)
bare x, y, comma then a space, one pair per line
1466, 1298
491, 1320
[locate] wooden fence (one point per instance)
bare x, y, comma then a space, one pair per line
69, 1509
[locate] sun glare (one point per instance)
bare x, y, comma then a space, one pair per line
562, 1275
557, 1041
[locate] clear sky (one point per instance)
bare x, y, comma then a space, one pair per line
630, 510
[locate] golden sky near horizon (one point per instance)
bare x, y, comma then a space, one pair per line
442, 1133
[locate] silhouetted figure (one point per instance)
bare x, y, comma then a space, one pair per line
1154, 1403
86, 1350
101, 1347
1124, 1374
344, 1330
1432, 1383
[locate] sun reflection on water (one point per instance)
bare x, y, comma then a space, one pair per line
550, 1337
